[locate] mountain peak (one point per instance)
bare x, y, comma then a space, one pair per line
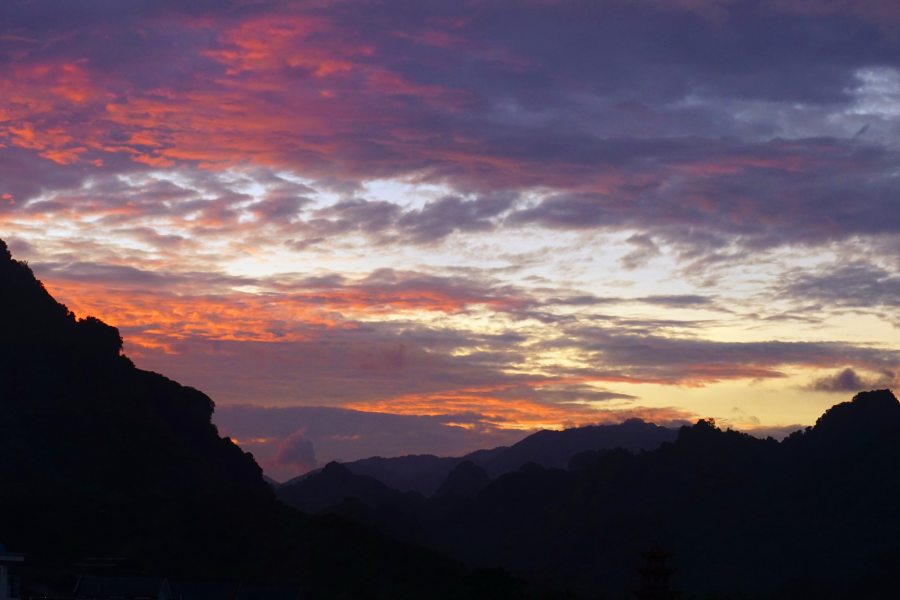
865, 417
30, 318
336, 469
464, 481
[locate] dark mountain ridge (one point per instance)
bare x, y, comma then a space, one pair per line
331, 486
464, 481
554, 449
99, 458
425, 473
743, 514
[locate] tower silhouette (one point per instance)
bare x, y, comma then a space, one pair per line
655, 576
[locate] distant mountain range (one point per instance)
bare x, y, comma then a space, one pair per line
425, 473
818, 511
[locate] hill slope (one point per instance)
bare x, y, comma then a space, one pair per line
331, 486
99, 458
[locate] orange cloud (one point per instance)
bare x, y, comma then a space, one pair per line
518, 413
154, 316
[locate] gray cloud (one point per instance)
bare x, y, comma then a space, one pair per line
441, 218
849, 380
644, 355
124, 276
853, 285
779, 432
679, 301
355, 214
645, 250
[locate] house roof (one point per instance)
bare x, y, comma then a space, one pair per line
272, 593
90, 586
189, 590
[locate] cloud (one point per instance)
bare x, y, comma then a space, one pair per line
296, 451
441, 218
669, 301
457, 207
318, 91
645, 250
854, 284
638, 353
679, 301
364, 342
778, 432
849, 380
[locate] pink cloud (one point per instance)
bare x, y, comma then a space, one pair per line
296, 451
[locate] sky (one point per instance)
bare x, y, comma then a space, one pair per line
395, 227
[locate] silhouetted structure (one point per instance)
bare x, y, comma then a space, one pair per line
655, 576
9, 582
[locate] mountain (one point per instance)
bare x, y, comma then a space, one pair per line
422, 473
585, 460
817, 511
554, 448
333, 485
425, 473
99, 458
742, 514
465, 481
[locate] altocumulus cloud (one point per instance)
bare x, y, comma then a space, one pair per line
512, 210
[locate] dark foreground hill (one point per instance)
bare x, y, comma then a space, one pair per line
99, 458
813, 516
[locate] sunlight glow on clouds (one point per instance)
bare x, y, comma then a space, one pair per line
500, 215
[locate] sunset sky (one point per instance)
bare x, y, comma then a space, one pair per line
399, 226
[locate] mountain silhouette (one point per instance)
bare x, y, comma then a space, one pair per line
586, 460
425, 473
555, 448
744, 514
99, 458
331, 486
856, 423
464, 481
